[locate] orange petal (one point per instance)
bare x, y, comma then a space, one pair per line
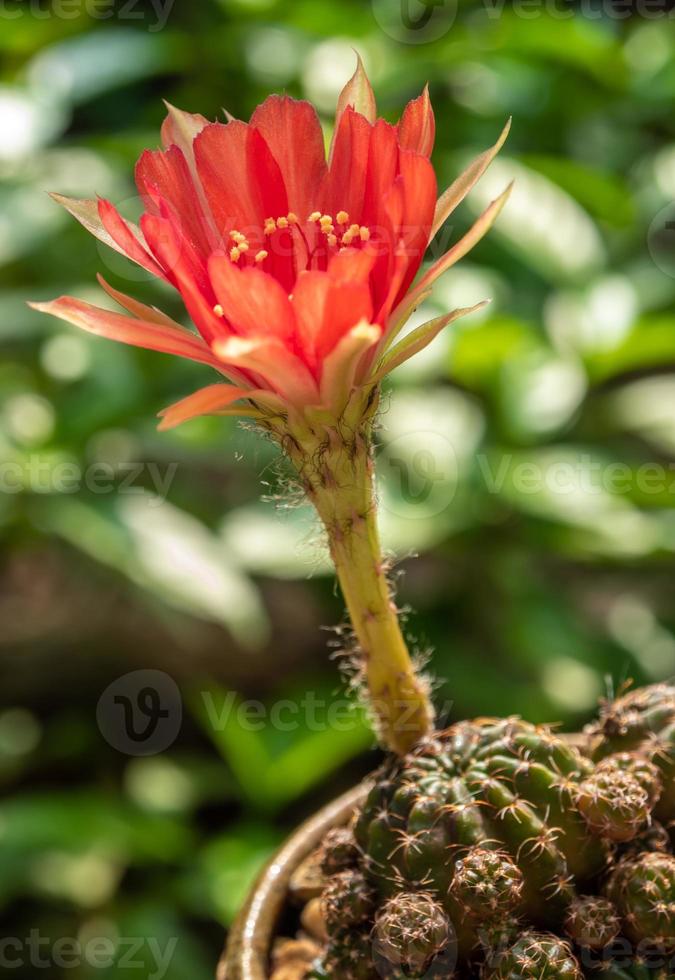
281, 371
128, 330
252, 301
340, 367
127, 239
122, 236
458, 190
357, 93
180, 129
477, 231
142, 312
167, 174
417, 128
206, 401
418, 339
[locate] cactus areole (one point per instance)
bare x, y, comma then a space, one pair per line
298, 272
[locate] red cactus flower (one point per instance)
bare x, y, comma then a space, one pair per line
296, 271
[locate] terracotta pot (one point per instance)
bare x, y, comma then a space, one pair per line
247, 952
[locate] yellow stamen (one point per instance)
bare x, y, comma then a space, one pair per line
282, 222
342, 217
292, 218
243, 246
270, 226
235, 254
364, 233
332, 240
261, 255
314, 216
218, 310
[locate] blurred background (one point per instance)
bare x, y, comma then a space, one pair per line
527, 460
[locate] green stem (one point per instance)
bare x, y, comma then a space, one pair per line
337, 474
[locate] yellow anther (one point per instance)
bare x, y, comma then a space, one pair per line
342, 217
314, 216
325, 219
348, 237
332, 240
237, 236
235, 254
243, 246
282, 222
364, 233
270, 226
218, 310
355, 229
261, 255
292, 218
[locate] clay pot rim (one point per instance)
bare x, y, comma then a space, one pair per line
246, 955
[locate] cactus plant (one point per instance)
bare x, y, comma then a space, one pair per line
642, 723
643, 889
498, 848
535, 956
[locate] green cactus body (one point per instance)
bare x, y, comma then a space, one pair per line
413, 938
643, 722
348, 957
535, 956
500, 785
498, 849
592, 922
643, 890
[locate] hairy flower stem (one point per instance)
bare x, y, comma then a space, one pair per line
336, 468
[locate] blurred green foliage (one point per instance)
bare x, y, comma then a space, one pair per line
527, 459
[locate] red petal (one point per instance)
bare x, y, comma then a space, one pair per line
206, 401
188, 273
265, 175
149, 313
253, 302
309, 305
417, 128
274, 363
293, 133
351, 266
123, 236
168, 175
382, 168
419, 205
223, 165
138, 333
328, 304
346, 180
